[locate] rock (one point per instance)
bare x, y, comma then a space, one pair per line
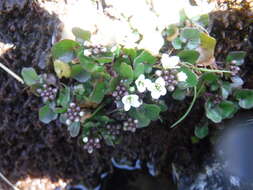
230, 166
8, 5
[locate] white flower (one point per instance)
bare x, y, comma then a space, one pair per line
141, 83
131, 101
157, 88
170, 62
87, 52
181, 76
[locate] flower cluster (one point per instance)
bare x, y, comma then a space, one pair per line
167, 80
47, 93
120, 91
113, 129
91, 144
93, 49
127, 88
74, 113
130, 125
234, 68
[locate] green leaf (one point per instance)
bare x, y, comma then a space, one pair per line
207, 42
81, 34
245, 98
74, 129
30, 76
88, 63
192, 79
193, 44
139, 69
203, 20
131, 52
64, 97
145, 57
212, 113
99, 92
151, 111
201, 131
46, 114
172, 32
237, 56
190, 56
163, 106
60, 110
62, 69
189, 34
227, 108
176, 43
226, 89
64, 47
126, 71
217, 113
78, 73
104, 59
179, 94
143, 121
209, 78
183, 16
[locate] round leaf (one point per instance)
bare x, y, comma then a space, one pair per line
30, 76
46, 114
201, 131
189, 56
78, 73
63, 47
81, 34
126, 71
62, 69
74, 129
192, 79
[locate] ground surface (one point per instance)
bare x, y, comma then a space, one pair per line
29, 148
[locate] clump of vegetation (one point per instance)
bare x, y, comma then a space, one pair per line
102, 92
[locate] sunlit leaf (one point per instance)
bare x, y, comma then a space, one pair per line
62, 69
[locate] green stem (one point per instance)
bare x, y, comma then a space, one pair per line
188, 110
204, 69
211, 70
97, 110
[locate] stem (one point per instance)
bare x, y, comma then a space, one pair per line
8, 182
97, 110
204, 69
188, 110
18, 78
211, 70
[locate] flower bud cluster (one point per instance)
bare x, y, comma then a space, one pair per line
47, 93
74, 113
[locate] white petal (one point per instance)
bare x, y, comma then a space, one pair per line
155, 94
141, 77
136, 104
125, 99
141, 88
165, 61
150, 85
127, 107
163, 91
181, 76
160, 81
87, 52
140, 83
170, 62
174, 60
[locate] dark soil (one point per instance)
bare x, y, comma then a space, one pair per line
29, 147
